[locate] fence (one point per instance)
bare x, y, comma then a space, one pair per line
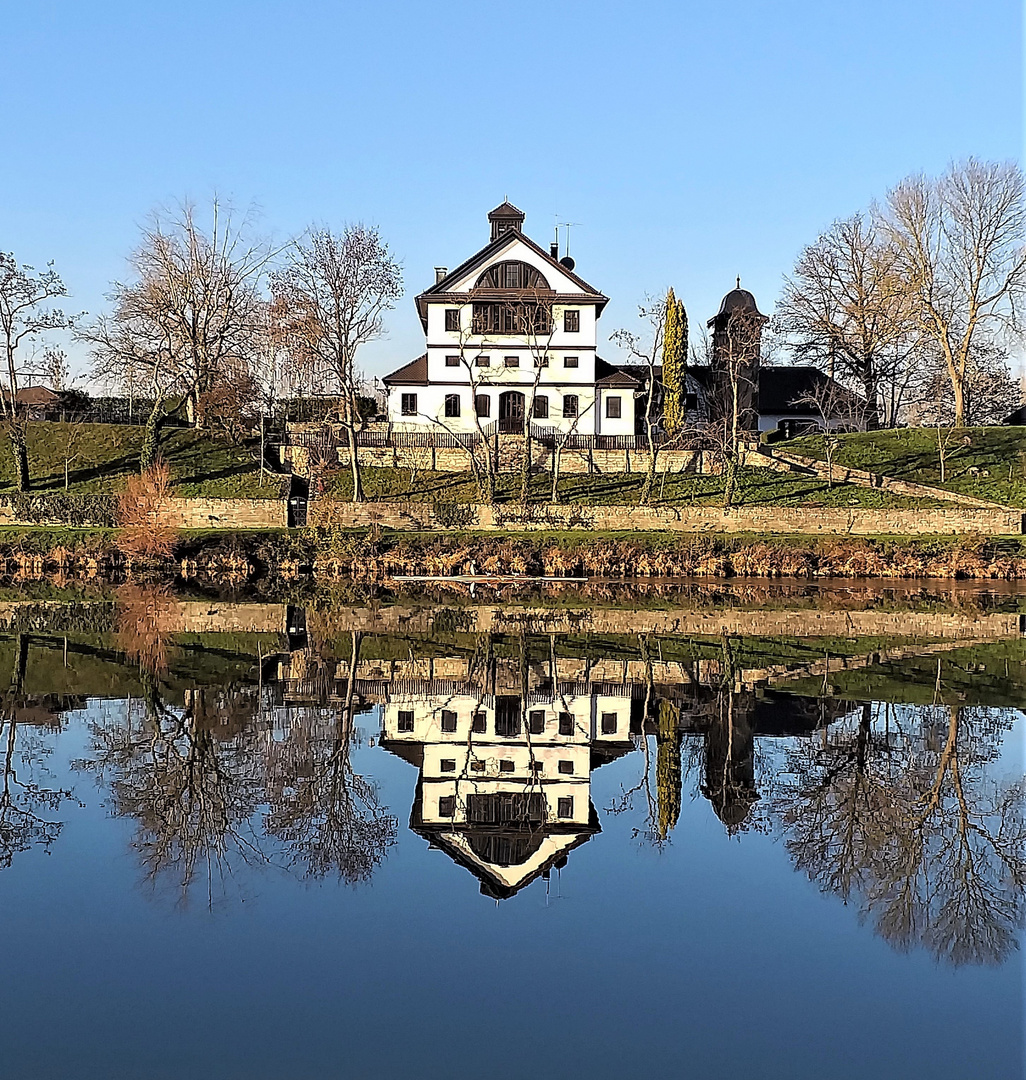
390, 438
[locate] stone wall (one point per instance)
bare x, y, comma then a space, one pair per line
226, 514
804, 622
774, 520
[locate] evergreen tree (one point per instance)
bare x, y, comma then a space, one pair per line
675, 359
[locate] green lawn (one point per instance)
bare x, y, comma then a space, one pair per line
101, 457
986, 462
756, 487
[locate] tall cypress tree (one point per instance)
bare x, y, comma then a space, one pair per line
675, 361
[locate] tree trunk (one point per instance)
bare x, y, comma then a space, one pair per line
525, 460
19, 452
958, 387
151, 435
354, 464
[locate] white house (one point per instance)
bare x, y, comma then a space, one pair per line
511, 330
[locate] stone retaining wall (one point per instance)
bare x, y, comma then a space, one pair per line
421, 516
226, 514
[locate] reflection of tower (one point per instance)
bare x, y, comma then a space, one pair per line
729, 782
669, 737
736, 358
505, 779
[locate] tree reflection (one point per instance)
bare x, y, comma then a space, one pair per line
326, 814
25, 804
903, 815
189, 778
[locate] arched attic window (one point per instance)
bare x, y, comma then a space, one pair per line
512, 274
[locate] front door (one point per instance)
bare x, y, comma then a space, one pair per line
511, 411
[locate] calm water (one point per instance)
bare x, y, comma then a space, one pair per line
686, 833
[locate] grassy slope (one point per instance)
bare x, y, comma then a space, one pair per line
911, 454
102, 456
756, 487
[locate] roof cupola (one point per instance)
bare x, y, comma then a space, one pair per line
504, 218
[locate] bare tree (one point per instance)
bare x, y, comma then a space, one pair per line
647, 348
25, 318
190, 320
845, 308
958, 244
990, 391
336, 289
836, 407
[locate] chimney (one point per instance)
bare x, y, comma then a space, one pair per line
554, 249
440, 272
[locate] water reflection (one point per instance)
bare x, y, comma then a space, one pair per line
230, 729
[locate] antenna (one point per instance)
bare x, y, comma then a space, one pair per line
568, 225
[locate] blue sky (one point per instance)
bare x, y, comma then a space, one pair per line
691, 141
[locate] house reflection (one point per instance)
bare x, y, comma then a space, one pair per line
505, 745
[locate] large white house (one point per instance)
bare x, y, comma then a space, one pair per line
511, 330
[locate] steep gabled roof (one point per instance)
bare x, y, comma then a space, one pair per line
415, 373
484, 255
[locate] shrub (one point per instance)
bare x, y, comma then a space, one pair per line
140, 509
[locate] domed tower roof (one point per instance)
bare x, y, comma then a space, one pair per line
739, 299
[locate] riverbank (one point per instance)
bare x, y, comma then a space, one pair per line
378, 554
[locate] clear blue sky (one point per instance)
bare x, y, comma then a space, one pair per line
692, 141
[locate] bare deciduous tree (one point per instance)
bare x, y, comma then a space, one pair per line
190, 320
25, 318
334, 291
958, 243
845, 308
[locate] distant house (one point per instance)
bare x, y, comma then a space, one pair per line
36, 402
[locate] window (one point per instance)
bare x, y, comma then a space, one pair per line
566, 768
609, 723
477, 766
409, 404
511, 361
511, 274
452, 319
565, 806
452, 404
570, 361
512, 318
566, 723
541, 361
447, 806
483, 405
405, 721
448, 764
690, 402
571, 322
505, 766
536, 721
448, 720
452, 361
537, 767
479, 724
570, 406
483, 360
613, 408
541, 407
507, 716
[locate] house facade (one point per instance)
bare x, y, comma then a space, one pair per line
511, 332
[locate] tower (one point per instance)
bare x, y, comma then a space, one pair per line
504, 218
736, 356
